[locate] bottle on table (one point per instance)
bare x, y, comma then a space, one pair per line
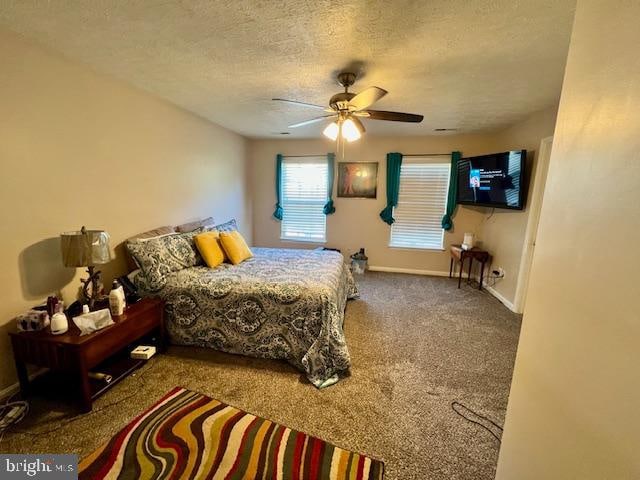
117, 302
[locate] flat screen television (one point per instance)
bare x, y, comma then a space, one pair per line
495, 180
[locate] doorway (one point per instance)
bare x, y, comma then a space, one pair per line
535, 205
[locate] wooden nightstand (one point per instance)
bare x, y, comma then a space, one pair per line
76, 355
459, 254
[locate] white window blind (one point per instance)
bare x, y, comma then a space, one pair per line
422, 200
304, 194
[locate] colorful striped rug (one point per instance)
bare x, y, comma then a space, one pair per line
189, 435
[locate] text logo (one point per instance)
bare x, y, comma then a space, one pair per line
38, 466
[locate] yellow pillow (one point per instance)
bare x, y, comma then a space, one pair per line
208, 244
235, 247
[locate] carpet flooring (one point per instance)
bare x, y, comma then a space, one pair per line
417, 344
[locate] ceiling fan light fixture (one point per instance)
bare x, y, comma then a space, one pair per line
350, 131
331, 131
348, 107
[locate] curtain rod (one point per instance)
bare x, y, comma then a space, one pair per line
427, 155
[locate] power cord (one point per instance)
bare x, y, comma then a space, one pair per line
11, 413
78, 417
463, 407
493, 277
484, 219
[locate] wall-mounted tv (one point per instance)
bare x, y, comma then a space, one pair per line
495, 180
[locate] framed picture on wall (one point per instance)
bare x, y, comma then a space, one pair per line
357, 179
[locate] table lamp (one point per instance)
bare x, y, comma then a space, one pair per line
86, 248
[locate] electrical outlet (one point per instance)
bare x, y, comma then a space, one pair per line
498, 272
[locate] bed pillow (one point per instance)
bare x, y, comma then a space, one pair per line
229, 226
156, 232
157, 257
191, 226
208, 244
235, 247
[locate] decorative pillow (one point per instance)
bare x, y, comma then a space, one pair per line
229, 226
191, 226
208, 245
160, 256
235, 247
156, 232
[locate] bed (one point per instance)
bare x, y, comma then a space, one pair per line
281, 304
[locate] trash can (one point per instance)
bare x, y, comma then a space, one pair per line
359, 262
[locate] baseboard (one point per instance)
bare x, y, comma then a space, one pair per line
435, 273
410, 271
15, 388
500, 297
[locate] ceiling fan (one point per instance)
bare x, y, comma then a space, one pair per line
347, 108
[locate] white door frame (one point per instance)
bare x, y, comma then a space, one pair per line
535, 205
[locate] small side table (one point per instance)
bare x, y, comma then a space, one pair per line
458, 254
76, 355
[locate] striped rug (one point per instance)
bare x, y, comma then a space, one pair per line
189, 435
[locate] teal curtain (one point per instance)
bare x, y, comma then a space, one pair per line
394, 162
328, 207
277, 214
447, 219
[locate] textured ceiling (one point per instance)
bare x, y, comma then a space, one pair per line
470, 65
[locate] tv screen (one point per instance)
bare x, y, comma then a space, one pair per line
495, 180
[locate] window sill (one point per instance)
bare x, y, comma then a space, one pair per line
300, 240
425, 249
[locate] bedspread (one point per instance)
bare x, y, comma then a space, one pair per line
282, 304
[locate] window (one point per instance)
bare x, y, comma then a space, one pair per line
304, 193
422, 200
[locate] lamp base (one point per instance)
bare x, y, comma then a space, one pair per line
93, 283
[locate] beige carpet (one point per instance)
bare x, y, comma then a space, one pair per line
417, 344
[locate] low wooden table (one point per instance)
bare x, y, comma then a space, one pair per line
76, 355
459, 254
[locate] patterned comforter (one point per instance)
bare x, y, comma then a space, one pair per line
283, 304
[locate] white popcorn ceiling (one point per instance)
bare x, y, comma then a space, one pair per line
467, 64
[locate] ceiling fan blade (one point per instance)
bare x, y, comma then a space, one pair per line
395, 116
309, 122
301, 104
367, 97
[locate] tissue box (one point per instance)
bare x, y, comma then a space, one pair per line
32, 320
143, 352
93, 321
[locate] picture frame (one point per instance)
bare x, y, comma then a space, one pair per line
357, 179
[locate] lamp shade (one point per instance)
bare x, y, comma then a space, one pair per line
331, 131
85, 248
350, 131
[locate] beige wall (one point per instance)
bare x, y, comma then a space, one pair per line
356, 222
573, 408
78, 148
503, 232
